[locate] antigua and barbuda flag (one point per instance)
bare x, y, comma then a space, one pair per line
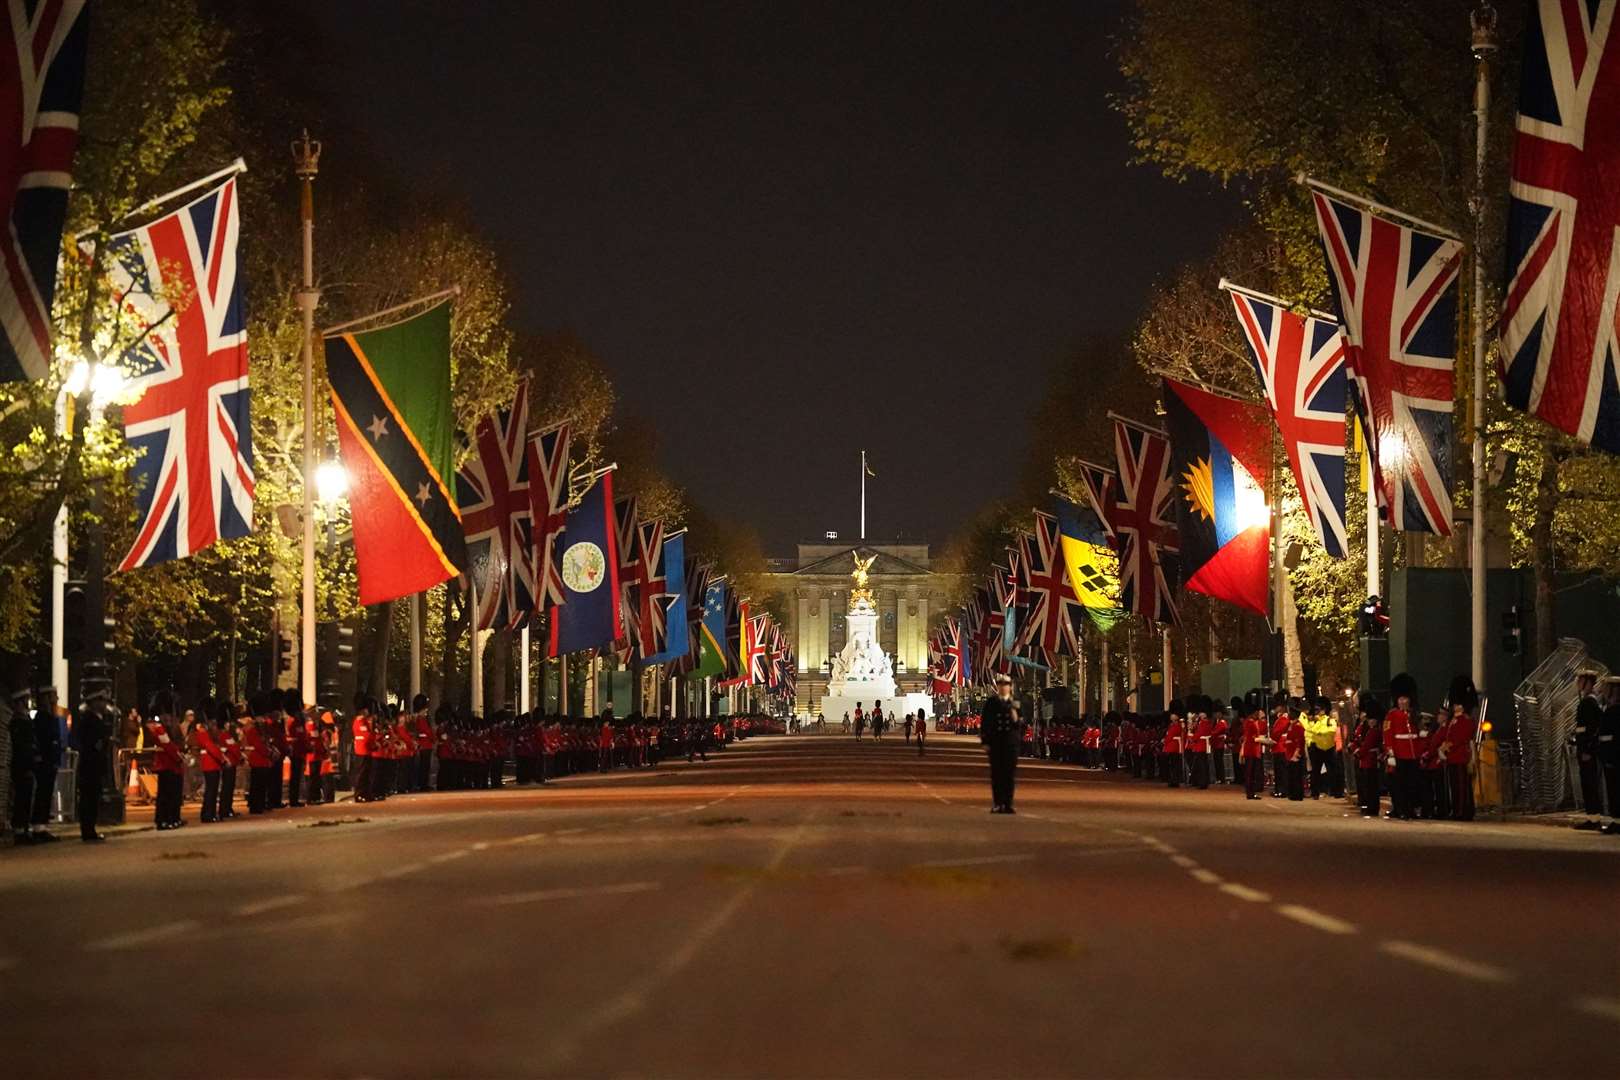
1220, 466
591, 615
391, 393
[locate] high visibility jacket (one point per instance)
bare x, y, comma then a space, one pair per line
362, 735
1323, 731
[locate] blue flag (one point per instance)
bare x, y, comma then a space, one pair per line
673, 602
589, 616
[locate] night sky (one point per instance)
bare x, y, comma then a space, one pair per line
792, 232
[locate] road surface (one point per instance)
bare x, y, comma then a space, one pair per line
817, 907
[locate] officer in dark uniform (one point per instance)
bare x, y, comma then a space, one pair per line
1588, 717
23, 761
47, 760
1001, 730
91, 727
1608, 751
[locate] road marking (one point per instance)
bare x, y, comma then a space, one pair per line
480, 846
459, 853
1608, 1008
1208, 877
1316, 920
540, 895
982, 860
1186, 862
1243, 892
842, 871
639, 820
1441, 960
569, 832
306, 922
136, 938
261, 906
402, 871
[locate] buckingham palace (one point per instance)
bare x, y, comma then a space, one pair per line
815, 586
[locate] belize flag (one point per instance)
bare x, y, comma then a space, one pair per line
590, 616
1220, 465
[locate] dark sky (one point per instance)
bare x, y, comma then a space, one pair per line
792, 232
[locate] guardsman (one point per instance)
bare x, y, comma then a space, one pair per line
1459, 747
1588, 717
405, 754
1369, 749
1279, 734
1401, 747
167, 761
360, 730
604, 745
316, 755
1203, 742
298, 747
921, 728
1253, 748
258, 757
1219, 732
1608, 751
1294, 755
92, 728
1431, 768
231, 745
425, 742
204, 746
1001, 731
1175, 744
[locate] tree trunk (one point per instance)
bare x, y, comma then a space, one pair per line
454, 624
379, 635
497, 677
1293, 663
1543, 561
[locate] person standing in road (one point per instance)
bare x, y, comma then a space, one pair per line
1608, 752
231, 745
1588, 718
1458, 748
167, 761
860, 721
922, 730
47, 759
1322, 733
1175, 744
1401, 747
91, 728
205, 750
361, 733
1252, 751
1001, 731
1369, 748
1294, 756
906, 727
1279, 734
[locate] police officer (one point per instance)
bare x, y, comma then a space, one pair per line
92, 725
1001, 729
21, 725
1588, 717
47, 760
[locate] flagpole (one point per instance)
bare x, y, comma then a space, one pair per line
1241, 290
442, 294
1106, 683
562, 684
523, 670
863, 494
1364, 203
306, 165
1169, 673
475, 650
416, 646
1483, 25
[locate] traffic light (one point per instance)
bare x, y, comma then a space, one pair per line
1374, 619
1512, 631
286, 653
75, 619
345, 647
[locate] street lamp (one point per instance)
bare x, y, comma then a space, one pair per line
331, 481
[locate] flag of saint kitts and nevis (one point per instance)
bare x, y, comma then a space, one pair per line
1220, 465
391, 393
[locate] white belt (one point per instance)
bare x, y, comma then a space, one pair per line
1605, 738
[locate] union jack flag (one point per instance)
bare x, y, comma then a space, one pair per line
1301, 365
1396, 290
776, 658
547, 464
758, 630
43, 74
493, 490
648, 626
1054, 609
1143, 522
697, 589
958, 664
993, 662
193, 478
1102, 489
938, 666
1559, 335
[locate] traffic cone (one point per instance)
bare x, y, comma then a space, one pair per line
132, 790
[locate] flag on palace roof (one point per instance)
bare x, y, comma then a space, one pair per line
547, 464
1300, 360
44, 73
1560, 340
1220, 466
1143, 518
591, 615
391, 393
492, 491
1396, 290
189, 418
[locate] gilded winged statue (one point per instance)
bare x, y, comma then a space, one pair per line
861, 569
